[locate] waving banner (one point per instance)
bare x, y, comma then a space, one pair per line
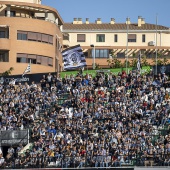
73, 58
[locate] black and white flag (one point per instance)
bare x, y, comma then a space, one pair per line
139, 62
73, 58
27, 70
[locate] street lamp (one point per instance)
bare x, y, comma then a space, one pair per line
127, 32
93, 46
156, 46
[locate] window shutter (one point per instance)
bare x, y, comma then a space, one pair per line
50, 39
45, 38
80, 37
39, 37
38, 59
131, 36
44, 61
31, 56
32, 36
50, 61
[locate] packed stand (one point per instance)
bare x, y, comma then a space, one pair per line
104, 121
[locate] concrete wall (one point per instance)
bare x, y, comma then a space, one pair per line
163, 39
30, 47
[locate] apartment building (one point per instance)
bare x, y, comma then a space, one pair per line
30, 32
123, 40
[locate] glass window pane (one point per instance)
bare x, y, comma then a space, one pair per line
143, 38
19, 36
24, 36
2, 34
105, 53
23, 60
4, 56
97, 54
101, 53
100, 38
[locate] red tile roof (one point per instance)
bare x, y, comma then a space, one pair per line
108, 26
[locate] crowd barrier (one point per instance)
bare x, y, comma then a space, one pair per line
90, 162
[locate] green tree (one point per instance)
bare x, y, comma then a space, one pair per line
159, 61
133, 62
128, 64
113, 62
7, 72
144, 61
165, 61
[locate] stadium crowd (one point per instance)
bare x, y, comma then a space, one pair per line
106, 120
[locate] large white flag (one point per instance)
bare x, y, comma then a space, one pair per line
28, 69
73, 58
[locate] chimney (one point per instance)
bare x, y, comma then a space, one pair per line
128, 21
75, 21
139, 21
112, 21
98, 21
87, 20
142, 20
80, 21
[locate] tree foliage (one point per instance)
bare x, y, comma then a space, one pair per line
7, 72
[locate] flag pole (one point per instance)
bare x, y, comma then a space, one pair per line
156, 47
140, 62
30, 65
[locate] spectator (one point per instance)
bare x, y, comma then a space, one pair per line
79, 121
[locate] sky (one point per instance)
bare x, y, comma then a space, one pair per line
118, 9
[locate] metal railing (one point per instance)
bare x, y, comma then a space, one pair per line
60, 161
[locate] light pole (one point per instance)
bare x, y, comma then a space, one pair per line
94, 64
127, 32
156, 46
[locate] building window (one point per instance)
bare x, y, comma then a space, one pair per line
12, 13
34, 59
4, 56
35, 36
50, 61
22, 58
2, 34
101, 53
32, 36
100, 38
131, 37
66, 36
115, 38
81, 37
143, 38
22, 36
120, 55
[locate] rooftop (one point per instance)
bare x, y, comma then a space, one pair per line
115, 26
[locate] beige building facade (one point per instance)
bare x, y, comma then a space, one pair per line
124, 40
30, 32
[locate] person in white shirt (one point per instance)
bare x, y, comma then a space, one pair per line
2, 160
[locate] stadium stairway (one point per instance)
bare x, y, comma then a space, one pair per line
28, 146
